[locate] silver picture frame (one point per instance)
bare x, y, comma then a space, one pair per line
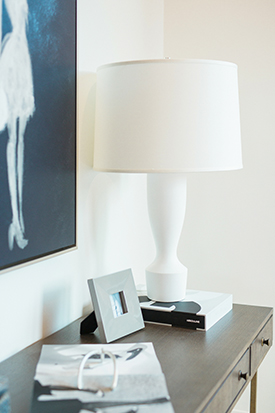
116, 305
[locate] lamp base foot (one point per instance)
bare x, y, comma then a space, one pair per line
166, 287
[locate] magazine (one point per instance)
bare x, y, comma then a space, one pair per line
115, 378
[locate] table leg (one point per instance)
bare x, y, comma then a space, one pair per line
253, 393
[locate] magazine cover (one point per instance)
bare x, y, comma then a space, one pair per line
114, 378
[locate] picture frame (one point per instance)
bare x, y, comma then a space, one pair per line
116, 305
38, 181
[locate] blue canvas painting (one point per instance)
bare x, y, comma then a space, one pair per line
37, 129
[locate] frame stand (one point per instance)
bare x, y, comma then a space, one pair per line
89, 324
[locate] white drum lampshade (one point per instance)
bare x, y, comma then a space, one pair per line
166, 118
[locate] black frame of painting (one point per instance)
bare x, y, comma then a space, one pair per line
49, 200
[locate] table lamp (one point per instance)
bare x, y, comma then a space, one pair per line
166, 118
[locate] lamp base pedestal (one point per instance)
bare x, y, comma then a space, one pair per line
166, 287
166, 277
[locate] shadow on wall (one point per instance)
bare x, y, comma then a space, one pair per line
56, 309
112, 209
108, 222
86, 93
101, 221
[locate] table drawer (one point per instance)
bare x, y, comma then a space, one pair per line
231, 387
261, 345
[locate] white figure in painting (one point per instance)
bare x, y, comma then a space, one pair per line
17, 106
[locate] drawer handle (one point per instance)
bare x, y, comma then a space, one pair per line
265, 341
242, 375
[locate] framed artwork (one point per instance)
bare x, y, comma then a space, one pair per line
37, 129
116, 305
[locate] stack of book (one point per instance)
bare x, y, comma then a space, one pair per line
200, 310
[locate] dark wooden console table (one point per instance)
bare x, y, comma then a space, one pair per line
206, 372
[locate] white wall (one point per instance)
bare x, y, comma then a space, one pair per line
112, 218
228, 241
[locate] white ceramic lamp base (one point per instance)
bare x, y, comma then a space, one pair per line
166, 277
166, 287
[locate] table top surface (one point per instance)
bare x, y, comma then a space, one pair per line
195, 363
